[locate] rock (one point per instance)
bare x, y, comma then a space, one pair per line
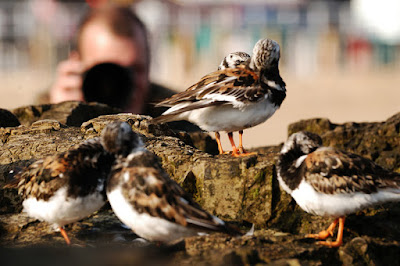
228, 187
241, 190
142, 125
8, 119
69, 113
316, 125
101, 236
139, 123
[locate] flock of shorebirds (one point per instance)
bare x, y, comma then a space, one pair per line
245, 91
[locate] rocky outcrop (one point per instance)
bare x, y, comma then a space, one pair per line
68, 113
228, 187
241, 190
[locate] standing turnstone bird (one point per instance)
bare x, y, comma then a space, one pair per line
232, 99
328, 182
233, 60
70, 186
145, 199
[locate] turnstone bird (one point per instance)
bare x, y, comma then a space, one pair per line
68, 187
332, 183
232, 99
154, 206
233, 60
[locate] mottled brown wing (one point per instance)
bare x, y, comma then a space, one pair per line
81, 168
150, 190
41, 178
240, 82
332, 171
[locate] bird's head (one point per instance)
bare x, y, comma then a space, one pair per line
266, 54
233, 60
119, 138
303, 142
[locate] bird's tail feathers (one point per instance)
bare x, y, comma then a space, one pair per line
13, 178
163, 119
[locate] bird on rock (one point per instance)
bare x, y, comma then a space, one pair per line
67, 187
331, 183
145, 199
232, 99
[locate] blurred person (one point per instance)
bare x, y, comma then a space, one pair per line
110, 35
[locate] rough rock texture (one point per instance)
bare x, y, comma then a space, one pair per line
241, 190
68, 113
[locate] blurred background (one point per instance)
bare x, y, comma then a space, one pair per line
340, 59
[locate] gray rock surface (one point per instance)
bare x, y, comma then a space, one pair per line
240, 190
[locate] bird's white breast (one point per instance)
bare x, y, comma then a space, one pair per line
228, 118
60, 209
336, 205
143, 224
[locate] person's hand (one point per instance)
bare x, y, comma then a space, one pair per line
68, 83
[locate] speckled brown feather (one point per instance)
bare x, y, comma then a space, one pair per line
331, 171
245, 81
254, 81
80, 169
149, 190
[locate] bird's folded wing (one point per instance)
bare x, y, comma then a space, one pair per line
332, 171
225, 86
151, 191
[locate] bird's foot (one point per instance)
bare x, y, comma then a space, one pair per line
334, 244
324, 234
244, 154
321, 235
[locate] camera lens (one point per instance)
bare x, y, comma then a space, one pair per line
110, 84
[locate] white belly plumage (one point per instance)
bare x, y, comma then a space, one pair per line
144, 225
60, 209
337, 205
230, 119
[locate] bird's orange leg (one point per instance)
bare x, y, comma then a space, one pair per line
339, 239
218, 139
64, 234
325, 233
234, 149
241, 148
